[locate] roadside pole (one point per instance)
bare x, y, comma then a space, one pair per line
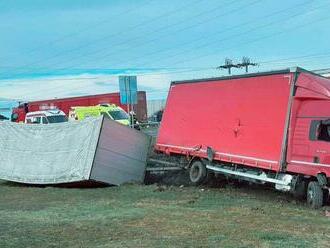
127, 102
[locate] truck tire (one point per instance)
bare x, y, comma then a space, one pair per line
197, 173
314, 195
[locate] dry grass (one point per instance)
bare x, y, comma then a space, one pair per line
144, 216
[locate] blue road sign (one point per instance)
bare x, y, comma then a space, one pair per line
128, 89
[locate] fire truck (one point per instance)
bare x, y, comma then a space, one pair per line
65, 104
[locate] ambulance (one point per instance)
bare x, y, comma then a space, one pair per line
111, 111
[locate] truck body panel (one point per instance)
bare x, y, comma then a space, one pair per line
217, 114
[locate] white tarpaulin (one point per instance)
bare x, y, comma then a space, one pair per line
96, 149
46, 154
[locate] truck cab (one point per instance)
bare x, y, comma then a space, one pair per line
19, 113
45, 117
111, 111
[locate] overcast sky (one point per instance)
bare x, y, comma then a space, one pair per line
63, 48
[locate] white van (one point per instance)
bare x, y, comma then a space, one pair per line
45, 117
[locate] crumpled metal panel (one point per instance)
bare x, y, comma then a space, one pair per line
121, 154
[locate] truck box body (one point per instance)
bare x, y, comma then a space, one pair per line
261, 120
65, 104
242, 119
95, 149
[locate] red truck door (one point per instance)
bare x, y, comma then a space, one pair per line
310, 143
320, 141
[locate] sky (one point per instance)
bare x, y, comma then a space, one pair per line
66, 48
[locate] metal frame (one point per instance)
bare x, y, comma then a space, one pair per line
248, 175
284, 146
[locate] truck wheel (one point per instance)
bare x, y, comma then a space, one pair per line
197, 173
314, 195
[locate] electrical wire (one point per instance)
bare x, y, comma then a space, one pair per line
119, 33
89, 27
158, 29
220, 32
240, 44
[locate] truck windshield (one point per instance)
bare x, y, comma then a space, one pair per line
118, 115
57, 118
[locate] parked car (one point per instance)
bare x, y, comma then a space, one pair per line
45, 117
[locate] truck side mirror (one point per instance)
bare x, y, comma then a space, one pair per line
313, 135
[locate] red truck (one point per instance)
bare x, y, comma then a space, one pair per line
65, 104
271, 127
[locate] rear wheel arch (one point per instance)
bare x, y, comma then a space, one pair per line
193, 159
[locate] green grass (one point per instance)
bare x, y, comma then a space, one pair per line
152, 216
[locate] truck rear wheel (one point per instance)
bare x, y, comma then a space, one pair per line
197, 173
314, 195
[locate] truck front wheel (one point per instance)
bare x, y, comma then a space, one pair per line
314, 195
197, 173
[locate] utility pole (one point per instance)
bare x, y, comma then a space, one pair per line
244, 64
228, 65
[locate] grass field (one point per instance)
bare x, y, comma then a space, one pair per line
157, 216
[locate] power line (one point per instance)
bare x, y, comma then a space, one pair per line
166, 90
222, 14
171, 71
168, 26
279, 32
203, 37
220, 32
275, 13
241, 44
158, 29
141, 24
89, 27
236, 25
161, 71
308, 57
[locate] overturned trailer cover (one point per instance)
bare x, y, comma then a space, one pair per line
96, 149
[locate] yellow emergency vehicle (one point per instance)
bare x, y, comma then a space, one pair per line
111, 111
